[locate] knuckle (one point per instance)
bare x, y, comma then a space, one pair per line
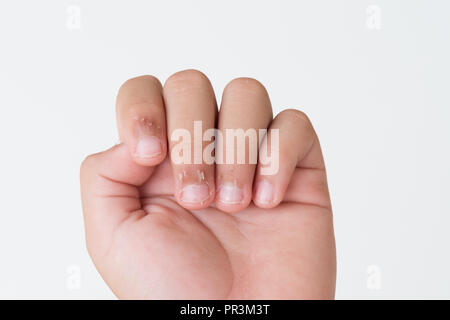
285, 154
296, 115
144, 80
248, 85
134, 91
87, 164
186, 79
143, 110
134, 100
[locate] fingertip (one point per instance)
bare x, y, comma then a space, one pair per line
141, 120
232, 198
266, 195
194, 186
195, 196
148, 150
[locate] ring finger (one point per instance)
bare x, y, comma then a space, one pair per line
244, 110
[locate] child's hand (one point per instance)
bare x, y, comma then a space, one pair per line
161, 230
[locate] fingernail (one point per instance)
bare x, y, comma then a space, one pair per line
195, 193
148, 147
264, 192
230, 194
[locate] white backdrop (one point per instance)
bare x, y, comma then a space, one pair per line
373, 75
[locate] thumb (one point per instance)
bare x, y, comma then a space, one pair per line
109, 194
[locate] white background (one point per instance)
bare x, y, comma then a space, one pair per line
379, 99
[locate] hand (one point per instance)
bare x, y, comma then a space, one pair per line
160, 230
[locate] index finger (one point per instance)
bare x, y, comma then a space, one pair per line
141, 120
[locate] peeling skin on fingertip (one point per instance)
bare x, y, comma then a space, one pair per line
145, 126
146, 122
193, 187
195, 193
201, 175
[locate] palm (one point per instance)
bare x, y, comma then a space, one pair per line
165, 251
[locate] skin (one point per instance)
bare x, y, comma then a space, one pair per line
151, 237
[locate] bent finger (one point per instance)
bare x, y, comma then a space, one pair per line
141, 119
191, 111
245, 109
291, 165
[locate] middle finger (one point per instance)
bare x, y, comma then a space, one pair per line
191, 109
